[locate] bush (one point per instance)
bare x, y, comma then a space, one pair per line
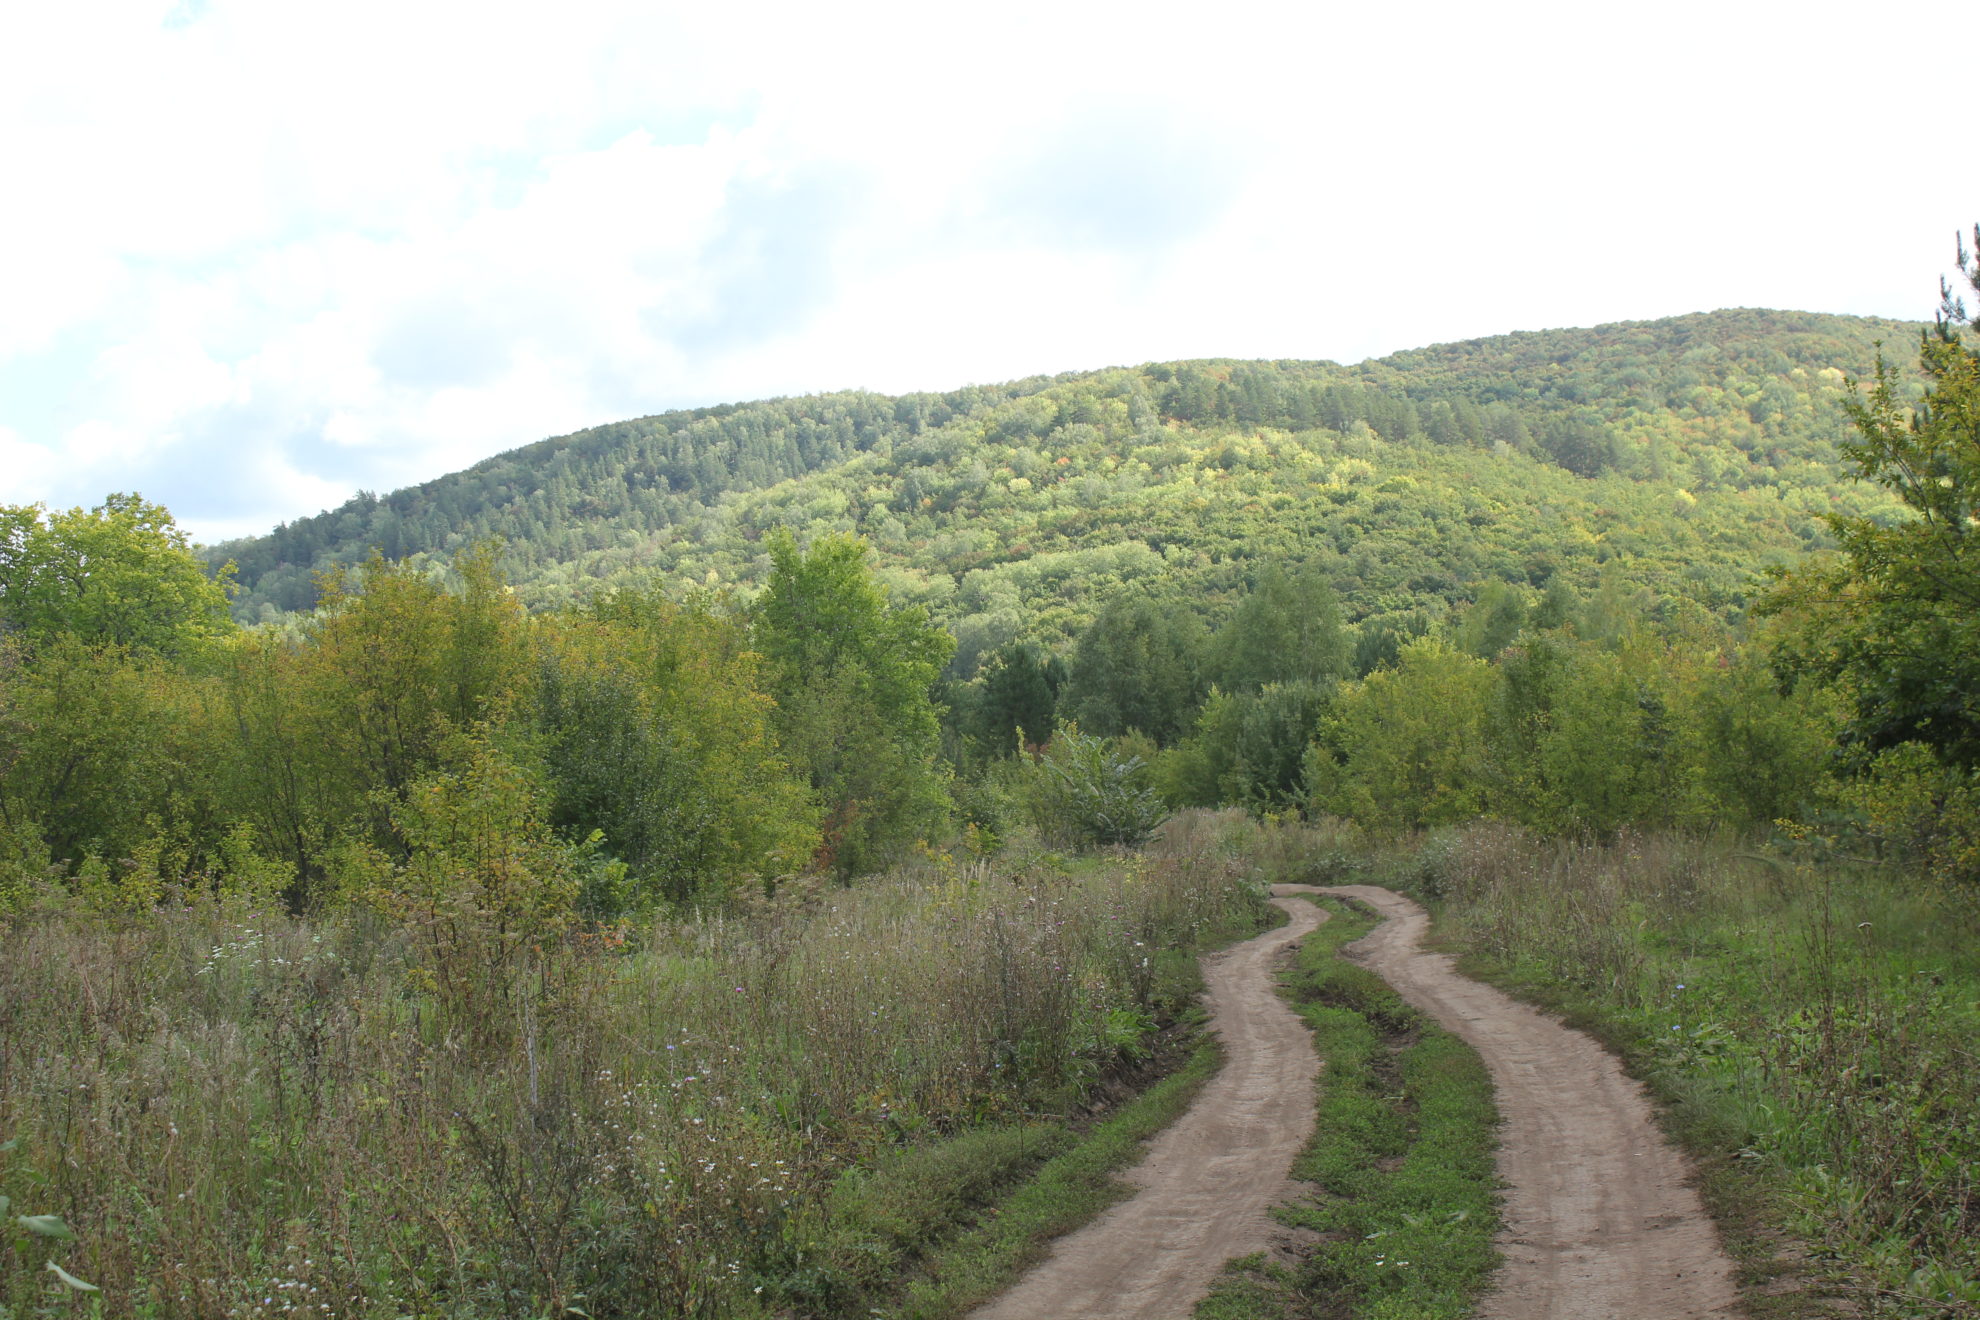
1087, 792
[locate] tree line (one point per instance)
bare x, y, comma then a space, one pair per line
418, 731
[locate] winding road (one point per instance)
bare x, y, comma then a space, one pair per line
1601, 1222
1212, 1176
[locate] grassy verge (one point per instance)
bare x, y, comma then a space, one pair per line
1072, 1180
1807, 1029
1400, 1221
1779, 1278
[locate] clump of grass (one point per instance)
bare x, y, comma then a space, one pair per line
1812, 1024
1403, 1209
755, 1113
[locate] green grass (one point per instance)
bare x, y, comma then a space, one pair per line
773, 1113
1400, 1221
1071, 1187
1807, 1029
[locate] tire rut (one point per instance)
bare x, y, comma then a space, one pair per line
1601, 1219
1211, 1177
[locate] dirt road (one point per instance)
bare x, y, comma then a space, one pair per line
1210, 1178
1600, 1223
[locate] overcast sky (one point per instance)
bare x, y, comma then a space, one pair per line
255, 256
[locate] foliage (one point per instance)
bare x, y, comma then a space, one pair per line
1015, 512
725, 1115
1405, 746
1138, 668
482, 887
401, 664
1019, 700
1087, 791
852, 677
1287, 629
121, 574
1249, 749
1612, 754
657, 736
102, 751
131, 777
1894, 622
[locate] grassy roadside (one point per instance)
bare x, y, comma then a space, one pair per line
776, 1114
1805, 1026
945, 1227
1070, 1180
1400, 1220
1778, 1279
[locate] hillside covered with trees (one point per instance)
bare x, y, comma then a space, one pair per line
1697, 450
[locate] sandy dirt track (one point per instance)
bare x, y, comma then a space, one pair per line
1600, 1221
1211, 1177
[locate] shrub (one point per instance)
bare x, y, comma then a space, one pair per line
1087, 792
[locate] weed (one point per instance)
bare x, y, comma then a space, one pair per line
763, 1111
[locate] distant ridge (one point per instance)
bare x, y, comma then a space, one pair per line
1636, 421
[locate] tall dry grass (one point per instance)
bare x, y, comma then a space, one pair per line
240, 1113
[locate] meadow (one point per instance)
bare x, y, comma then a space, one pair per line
775, 1110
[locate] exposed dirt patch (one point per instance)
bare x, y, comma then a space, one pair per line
1211, 1178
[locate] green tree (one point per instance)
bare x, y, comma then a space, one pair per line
1247, 749
1138, 667
401, 663
1584, 447
1894, 622
656, 734
1758, 751
104, 750
1493, 621
1019, 698
1519, 721
853, 678
1611, 754
1405, 746
1896, 619
389, 676
1286, 630
121, 574
478, 881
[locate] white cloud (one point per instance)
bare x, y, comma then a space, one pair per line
301, 251
26, 469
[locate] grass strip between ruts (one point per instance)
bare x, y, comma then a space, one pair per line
1403, 1208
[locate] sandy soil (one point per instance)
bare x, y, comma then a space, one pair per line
1600, 1220
1211, 1177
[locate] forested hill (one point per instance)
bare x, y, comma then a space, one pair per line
1685, 453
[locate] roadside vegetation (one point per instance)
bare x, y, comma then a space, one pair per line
777, 1111
1808, 1021
672, 951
